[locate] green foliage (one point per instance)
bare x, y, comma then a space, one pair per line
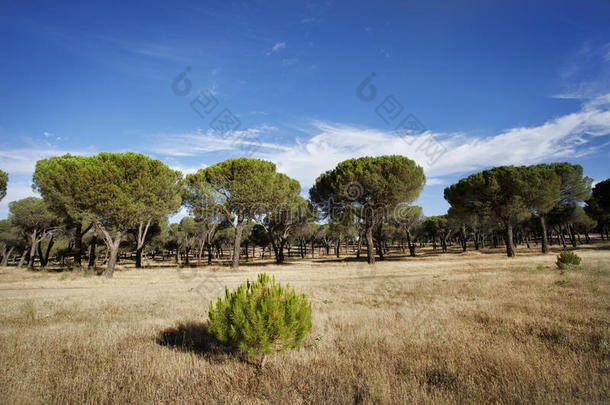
31, 213
240, 190
261, 317
598, 206
567, 259
369, 188
377, 181
3, 182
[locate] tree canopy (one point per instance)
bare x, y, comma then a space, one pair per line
368, 187
242, 189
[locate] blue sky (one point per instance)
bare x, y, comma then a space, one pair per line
487, 83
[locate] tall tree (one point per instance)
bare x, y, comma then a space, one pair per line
409, 217
368, 187
162, 196
541, 191
240, 188
495, 192
60, 182
119, 193
286, 210
33, 217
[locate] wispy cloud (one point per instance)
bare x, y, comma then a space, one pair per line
277, 47
564, 137
201, 142
586, 73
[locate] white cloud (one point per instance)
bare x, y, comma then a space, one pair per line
564, 137
199, 142
277, 47
329, 143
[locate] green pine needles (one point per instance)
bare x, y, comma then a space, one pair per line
567, 260
261, 317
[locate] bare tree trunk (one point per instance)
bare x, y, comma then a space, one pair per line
22, 259
139, 257
510, 249
44, 256
92, 246
463, 235
337, 250
545, 247
369, 244
114, 251
141, 238
571, 234
32, 250
237, 244
410, 245
112, 247
6, 256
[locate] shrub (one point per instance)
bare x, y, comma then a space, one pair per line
567, 259
261, 317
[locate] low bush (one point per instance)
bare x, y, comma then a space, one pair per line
567, 259
261, 317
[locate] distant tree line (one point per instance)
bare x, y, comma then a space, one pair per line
115, 206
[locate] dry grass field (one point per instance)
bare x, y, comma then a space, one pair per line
453, 328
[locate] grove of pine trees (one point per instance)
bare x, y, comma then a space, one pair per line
115, 206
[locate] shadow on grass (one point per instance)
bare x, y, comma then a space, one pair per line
195, 337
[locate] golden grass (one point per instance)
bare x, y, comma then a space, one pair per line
437, 329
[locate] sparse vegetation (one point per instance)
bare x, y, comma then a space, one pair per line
141, 336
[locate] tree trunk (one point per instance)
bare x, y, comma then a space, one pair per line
92, 247
78, 244
463, 234
369, 244
112, 247
510, 249
237, 245
187, 252
44, 256
544, 242
281, 251
32, 250
313, 250
141, 239
6, 256
209, 253
114, 251
562, 238
572, 235
410, 245
276, 250
139, 257
22, 259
